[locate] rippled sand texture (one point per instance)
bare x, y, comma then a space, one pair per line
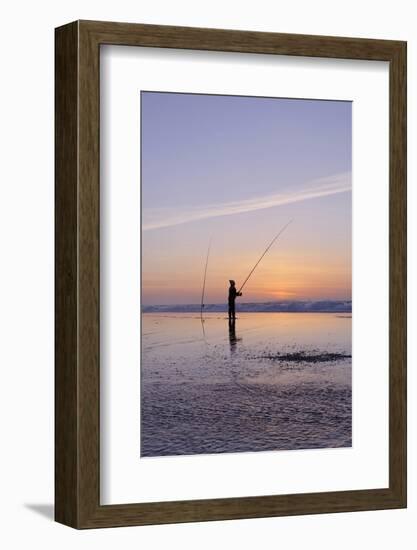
279, 381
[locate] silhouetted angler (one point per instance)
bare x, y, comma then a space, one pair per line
233, 293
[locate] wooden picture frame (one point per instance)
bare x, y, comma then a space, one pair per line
77, 382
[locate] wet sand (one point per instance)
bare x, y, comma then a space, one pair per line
274, 381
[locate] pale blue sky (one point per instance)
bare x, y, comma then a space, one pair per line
236, 169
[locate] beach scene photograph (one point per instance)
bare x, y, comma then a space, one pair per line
246, 274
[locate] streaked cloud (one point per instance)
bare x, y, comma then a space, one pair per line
157, 218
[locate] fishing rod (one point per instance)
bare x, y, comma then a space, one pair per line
204, 281
266, 250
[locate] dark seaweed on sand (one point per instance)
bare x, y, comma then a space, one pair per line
303, 357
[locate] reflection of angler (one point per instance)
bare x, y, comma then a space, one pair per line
232, 337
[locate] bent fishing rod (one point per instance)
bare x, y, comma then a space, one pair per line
204, 281
266, 250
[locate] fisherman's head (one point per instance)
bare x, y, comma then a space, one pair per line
232, 283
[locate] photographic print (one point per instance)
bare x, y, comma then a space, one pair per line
246, 294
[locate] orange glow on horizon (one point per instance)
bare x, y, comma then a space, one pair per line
285, 281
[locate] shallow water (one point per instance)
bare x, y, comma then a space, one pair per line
206, 388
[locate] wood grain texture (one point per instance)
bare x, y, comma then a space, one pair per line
78, 284
398, 273
66, 237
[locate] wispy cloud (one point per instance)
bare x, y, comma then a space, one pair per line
156, 218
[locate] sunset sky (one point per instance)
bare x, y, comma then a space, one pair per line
235, 170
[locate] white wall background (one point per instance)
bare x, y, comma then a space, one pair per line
26, 273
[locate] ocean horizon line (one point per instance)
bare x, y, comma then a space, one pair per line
287, 306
